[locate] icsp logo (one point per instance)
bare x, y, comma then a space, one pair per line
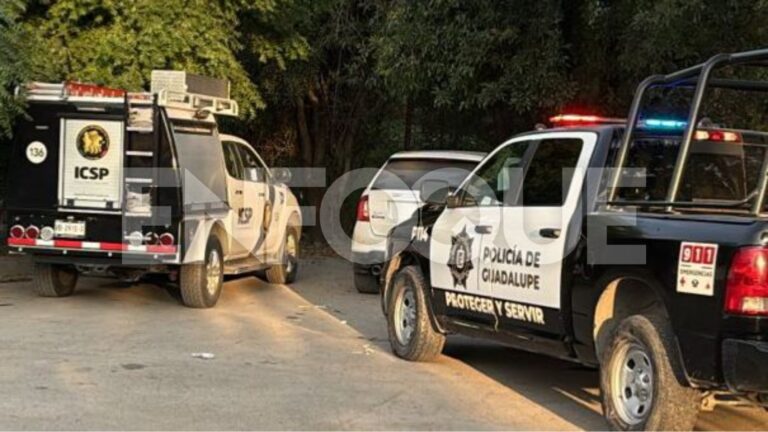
93, 142
459, 260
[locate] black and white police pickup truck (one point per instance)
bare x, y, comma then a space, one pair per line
103, 181
663, 285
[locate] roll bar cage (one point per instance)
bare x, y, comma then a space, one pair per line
699, 78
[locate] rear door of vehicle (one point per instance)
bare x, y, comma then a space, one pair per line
394, 194
91, 163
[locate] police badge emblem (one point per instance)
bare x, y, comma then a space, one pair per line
460, 258
93, 142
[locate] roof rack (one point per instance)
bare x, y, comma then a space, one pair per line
88, 93
187, 91
70, 91
198, 103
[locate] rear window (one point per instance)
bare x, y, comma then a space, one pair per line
715, 171
718, 173
402, 174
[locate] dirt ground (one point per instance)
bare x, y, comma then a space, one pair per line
310, 356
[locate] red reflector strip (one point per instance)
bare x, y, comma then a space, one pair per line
112, 246
92, 246
67, 244
161, 249
21, 242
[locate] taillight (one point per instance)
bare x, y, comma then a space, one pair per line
151, 238
17, 231
746, 291
33, 232
167, 239
362, 209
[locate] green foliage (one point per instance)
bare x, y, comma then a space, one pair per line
616, 44
475, 54
343, 81
118, 43
13, 62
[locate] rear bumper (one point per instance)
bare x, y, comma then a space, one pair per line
745, 365
149, 253
364, 260
364, 240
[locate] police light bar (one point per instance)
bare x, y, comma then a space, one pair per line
76, 89
717, 135
699, 134
58, 92
564, 120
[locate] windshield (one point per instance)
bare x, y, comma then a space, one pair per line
403, 174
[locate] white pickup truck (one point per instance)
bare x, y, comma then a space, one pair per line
107, 182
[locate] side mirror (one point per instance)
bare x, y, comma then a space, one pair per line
434, 192
281, 175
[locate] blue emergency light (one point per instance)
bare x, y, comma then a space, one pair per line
655, 123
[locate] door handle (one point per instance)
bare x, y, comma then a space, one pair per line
483, 229
552, 233
261, 194
238, 192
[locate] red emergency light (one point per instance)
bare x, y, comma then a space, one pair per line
76, 89
564, 120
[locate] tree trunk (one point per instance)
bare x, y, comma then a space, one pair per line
313, 196
305, 140
408, 120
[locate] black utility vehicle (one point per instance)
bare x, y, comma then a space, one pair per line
657, 271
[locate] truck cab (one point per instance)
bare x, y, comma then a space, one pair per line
107, 182
637, 246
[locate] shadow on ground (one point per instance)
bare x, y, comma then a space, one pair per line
567, 389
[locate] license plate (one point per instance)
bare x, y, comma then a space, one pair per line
71, 229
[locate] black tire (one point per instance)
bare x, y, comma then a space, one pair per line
53, 280
194, 281
645, 343
424, 342
366, 283
288, 269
